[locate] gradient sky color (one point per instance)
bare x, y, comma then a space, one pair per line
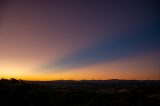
79, 39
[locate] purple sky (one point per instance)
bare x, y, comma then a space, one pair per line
79, 39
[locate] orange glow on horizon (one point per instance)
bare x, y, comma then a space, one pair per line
121, 69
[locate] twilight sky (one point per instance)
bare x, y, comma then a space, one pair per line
79, 39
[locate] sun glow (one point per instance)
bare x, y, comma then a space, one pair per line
8, 72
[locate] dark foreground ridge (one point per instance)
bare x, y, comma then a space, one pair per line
79, 93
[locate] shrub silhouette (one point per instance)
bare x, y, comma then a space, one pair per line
39, 97
21, 93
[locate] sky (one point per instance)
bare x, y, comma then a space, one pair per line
79, 39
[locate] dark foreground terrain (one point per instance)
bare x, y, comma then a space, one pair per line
79, 93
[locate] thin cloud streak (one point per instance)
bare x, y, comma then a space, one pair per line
134, 42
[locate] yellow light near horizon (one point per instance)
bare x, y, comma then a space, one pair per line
13, 72
131, 68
